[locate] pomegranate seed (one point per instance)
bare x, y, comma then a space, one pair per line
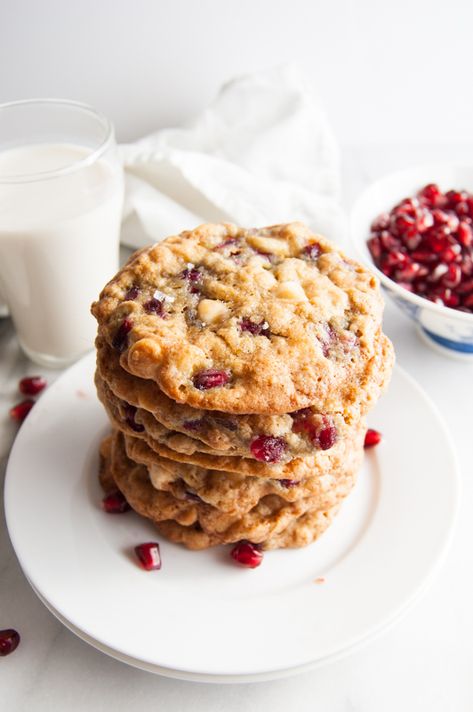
437, 240
327, 437
404, 225
465, 234
227, 243
130, 412
210, 378
462, 209
423, 256
389, 242
256, 329
194, 278
455, 196
452, 276
372, 437
154, 306
193, 424
432, 194
193, 497
226, 423
21, 410
132, 294
450, 253
424, 220
465, 287
413, 242
149, 555
439, 271
394, 259
375, 248
380, 223
449, 298
120, 340
247, 554
32, 385
410, 272
268, 448
312, 251
288, 483
468, 301
115, 503
9, 641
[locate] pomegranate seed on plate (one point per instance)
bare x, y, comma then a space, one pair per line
21, 410
247, 554
115, 503
9, 641
149, 555
372, 438
32, 385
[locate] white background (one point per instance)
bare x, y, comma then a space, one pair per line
396, 71
395, 75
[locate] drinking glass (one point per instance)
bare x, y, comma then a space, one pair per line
61, 195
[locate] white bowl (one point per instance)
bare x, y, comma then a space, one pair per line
447, 330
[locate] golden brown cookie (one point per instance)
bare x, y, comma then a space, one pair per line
306, 432
296, 469
269, 518
248, 321
236, 494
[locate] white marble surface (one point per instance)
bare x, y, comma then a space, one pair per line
424, 663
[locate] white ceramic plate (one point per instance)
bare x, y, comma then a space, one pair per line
201, 617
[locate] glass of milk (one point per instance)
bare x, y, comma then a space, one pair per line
61, 195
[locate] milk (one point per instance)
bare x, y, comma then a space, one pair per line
58, 245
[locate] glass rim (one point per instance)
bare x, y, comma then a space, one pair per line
75, 165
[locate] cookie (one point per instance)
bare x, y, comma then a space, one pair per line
302, 531
247, 321
236, 494
296, 469
305, 433
269, 518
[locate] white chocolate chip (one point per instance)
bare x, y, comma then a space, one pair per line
211, 310
265, 279
269, 245
291, 291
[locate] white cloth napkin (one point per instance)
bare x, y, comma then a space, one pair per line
261, 153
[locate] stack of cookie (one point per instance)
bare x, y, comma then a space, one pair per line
236, 367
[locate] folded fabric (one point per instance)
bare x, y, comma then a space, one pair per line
261, 153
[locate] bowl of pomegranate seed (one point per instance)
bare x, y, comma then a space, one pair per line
415, 228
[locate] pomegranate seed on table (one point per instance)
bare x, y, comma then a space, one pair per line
32, 385
149, 555
210, 378
115, 503
21, 410
9, 641
247, 554
372, 438
267, 448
